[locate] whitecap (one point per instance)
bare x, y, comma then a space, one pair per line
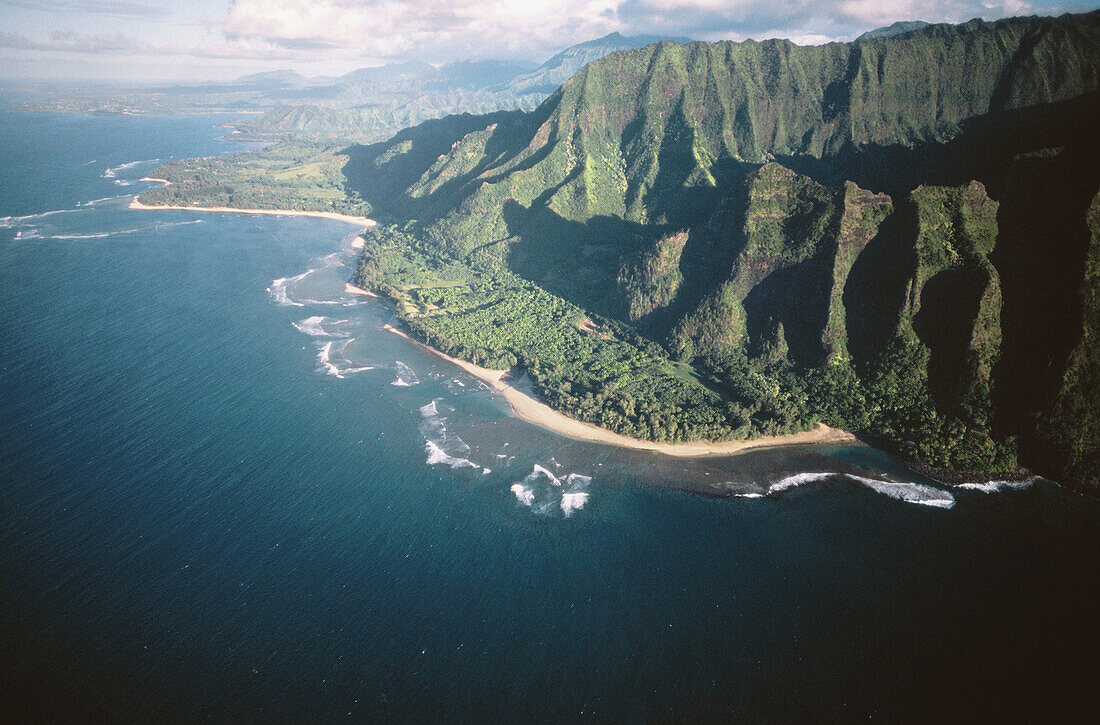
406, 378
112, 172
571, 502
998, 486
311, 326
524, 495
915, 493
437, 455
11, 221
97, 235
315, 326
308, 301
330, 358
443, 447
165, 225
796, 480
908, 492
545, 493
96, 202
279, 292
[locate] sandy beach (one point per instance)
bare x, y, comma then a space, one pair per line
360, 220
527, 408
350, 289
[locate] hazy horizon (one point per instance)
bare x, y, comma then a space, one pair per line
108, 42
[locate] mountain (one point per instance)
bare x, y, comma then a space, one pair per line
897, 235
389, 74
901, 26
271, 80
373, 103
547, 77
479, 75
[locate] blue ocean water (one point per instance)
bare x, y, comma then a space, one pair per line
226, 492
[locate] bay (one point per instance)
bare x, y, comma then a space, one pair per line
227, 492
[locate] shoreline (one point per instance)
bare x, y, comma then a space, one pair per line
350, 289
358, 220
527, 408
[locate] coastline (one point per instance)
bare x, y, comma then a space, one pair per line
533, 411
351, 289
359, 220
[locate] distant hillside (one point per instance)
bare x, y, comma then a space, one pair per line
547, 77
902, 26
896, 235
373, 103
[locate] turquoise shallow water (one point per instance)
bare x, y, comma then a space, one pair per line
217, 502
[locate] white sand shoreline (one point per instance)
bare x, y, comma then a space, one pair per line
350, 289
533, 411
358, 220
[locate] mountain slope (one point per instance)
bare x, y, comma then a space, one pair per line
878, 273
557, 70
373, 103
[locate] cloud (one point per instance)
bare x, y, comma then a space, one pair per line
448, 29
341, 34
118, 44
74, 42
136, 10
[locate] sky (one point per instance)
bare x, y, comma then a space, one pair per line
177, 40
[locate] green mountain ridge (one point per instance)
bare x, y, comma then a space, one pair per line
372, 103
857, 218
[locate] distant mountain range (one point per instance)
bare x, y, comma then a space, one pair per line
902, 26
374, 103
367, 104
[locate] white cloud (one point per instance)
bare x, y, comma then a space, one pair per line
334, 36
884, 12
447, 29
136, 10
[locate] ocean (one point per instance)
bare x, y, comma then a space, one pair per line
226, 492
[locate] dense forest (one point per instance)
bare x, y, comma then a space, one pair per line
294, 176
897, 235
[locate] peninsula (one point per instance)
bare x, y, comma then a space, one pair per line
526, 407
897, 236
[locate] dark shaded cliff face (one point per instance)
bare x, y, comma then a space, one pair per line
921, 201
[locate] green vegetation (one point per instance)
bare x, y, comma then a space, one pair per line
857, 281
288, 176
897, 236
596, 370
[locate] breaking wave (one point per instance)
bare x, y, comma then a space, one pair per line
547, 494
907, 491
796, 480
96, 202
12, 221
112, 171
97, 235
278, 289
285, 293
443, 447
406, 378
998, 486
331, 359
316, 326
